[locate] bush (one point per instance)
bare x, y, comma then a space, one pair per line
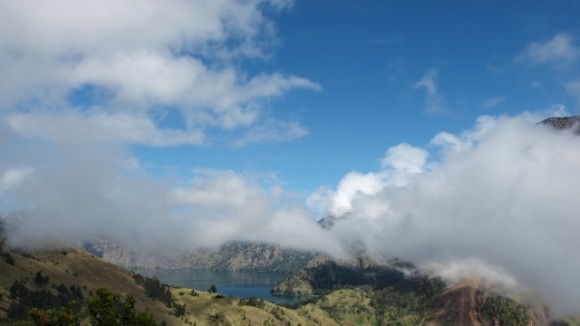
54, 317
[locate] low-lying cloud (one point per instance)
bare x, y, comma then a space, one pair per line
502, 194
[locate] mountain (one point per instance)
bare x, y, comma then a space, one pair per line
367, 294
234, 256
359, 293
562, 123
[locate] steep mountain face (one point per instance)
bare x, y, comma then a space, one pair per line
562, 123
236, 256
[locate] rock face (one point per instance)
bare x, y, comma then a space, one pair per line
236, 256
562, 123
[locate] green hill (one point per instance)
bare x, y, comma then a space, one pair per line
45, 280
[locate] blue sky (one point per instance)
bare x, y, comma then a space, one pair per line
368, 56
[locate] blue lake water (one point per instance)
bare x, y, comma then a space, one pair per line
238, 284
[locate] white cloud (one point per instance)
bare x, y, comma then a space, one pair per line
13, 177
474, 270
405, 158
177, 53
352, 185
217, 190
559, 50
449, 142
399, 165
435, 102
72, 127
501, 193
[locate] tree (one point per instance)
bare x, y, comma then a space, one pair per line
108, 309
40, 280
212, 289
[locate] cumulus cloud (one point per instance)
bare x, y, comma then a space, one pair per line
435, 102
146, 55
500, 195
559, 50
76, 193
71, 126
400, 163
84, 81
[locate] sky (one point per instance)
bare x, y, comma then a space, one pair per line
178, 124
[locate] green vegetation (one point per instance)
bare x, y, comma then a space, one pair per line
63, 316
212, 289
504, 311
4, 254
108, 309
155, 289
329, 276
252, 301
54, 288
105, 309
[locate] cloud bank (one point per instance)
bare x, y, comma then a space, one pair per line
496, 202
127, 62
501, 195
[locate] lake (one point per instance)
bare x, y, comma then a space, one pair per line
238, 284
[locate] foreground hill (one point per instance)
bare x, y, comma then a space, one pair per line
235, 256
50, 279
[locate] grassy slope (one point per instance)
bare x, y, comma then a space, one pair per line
348, 306
76, 267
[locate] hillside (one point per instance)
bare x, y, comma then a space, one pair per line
235, 256
367, 294
362, 294
79, 270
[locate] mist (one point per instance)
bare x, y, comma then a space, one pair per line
496, 203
